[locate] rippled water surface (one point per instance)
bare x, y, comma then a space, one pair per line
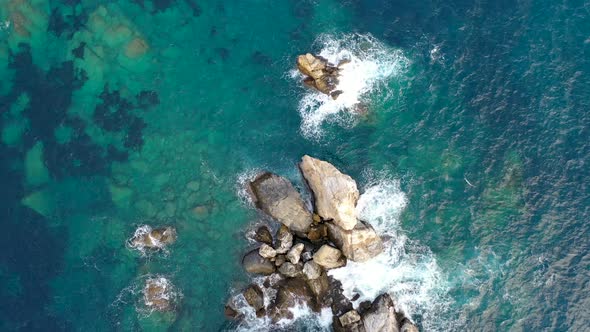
465, 124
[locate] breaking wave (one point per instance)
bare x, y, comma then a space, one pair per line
371, 64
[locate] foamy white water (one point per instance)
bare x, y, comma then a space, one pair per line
371, 64
406, 270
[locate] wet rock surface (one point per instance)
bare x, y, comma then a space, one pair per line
319, 73
254, 263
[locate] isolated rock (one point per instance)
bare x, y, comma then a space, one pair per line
312, 270
263, 235
158, 294
277, 197
294, 254
320, 74
335, 194
158, 238
267, 251
284, 240
254, 263
380, 317
359, 244
329, 257
254, 297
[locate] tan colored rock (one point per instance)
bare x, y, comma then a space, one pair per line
329, 257
349, 318
284, 240
254, 297
381, 315
359, 244
320, 75
291, 270
277, 197
294, 255
335, 194
254, 263
267, 251
312, 270
409, 327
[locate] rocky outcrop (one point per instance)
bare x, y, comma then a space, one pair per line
408, 326
277, 197
312, 270
291, 270
254, 263
335, 194
358, 244
320, 74
329, 257
291, 292
147, 238
381, 316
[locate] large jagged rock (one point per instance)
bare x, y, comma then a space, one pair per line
358, 244
335, 194
320, 74
291, 270
312, 270
329, 257
381, 316
277, 197
254, 263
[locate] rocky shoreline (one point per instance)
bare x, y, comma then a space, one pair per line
306, 246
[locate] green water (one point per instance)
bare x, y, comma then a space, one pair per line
484, 124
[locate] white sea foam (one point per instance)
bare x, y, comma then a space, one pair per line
406, 270
371, 64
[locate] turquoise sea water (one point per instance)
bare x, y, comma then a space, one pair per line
472, 148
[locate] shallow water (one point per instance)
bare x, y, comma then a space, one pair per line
474, 115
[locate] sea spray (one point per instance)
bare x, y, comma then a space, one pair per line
406, 270
370, 64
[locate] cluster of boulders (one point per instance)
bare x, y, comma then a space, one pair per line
320, 74
158, 292
309, 243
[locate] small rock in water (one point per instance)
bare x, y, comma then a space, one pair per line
329, 257
254, 263
147, 238
158, 294
284, 240
295, 253
263, 235
267, 251
312, 270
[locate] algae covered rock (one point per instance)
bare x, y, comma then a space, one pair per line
254, 263
159, 294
